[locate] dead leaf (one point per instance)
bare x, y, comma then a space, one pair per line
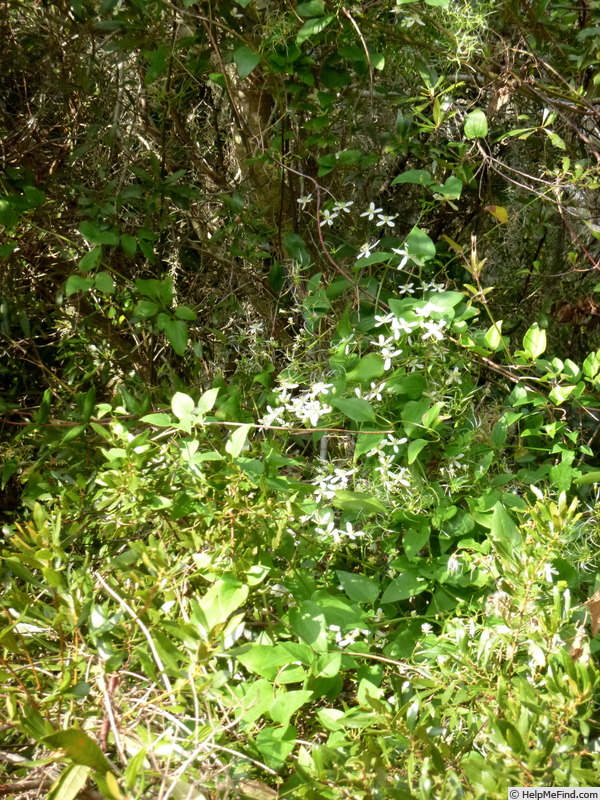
499, 213
576, 650
594, 606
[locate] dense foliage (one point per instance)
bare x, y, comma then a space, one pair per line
299, 400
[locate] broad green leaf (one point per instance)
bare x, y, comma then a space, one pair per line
78, 283
90, 259
182, 405
155, 289
207, 401
358, 501
276, 744
414, 448
308, 623
79, 748
264, 659
420, 176
500, 432
419, 244
287, 704
476, 126
177, 334
330, 718
451, 189
128, 245
406, 585
312, 27
255, 699
94, 235
246, 60
369, 367
439, 3
493, 336
69, 783
414, 540
312, 8
161, 420
145, 309
503, 530
185, 313
222, 599
358, 587
236, 442
534, 341
297, 249
355, 408
104, 283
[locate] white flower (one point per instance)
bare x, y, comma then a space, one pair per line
394, 443
367, 248
406, 289
304, 200
549, 571
399, 251
376, 390
236, 14
371, 211
453, 565
427, 310
400, 326
434, 329
387, 353
328, 217
320, 388
343, 206
272, 415
426, 627
383, 320
386, 219
434, 287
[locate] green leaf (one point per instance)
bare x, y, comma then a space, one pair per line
406, 585
70, 782
182, 405
284, 706
297, 249
414, 448
311, 27
104, 283
534, 341
369, 367
493, 336
358, 587
358, 501
90, 259
186, 313
414, 540
177, 334
438, 3
222, 599
207, 401
145, 309
420, 176
276, 744
503, 530
94, 235
128, 245
313, 8
419, 244
161, 290
476, 126
236, 442
80, 748
246, 60
308, 623
161, 420
77, 283
355, 408
500, 432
